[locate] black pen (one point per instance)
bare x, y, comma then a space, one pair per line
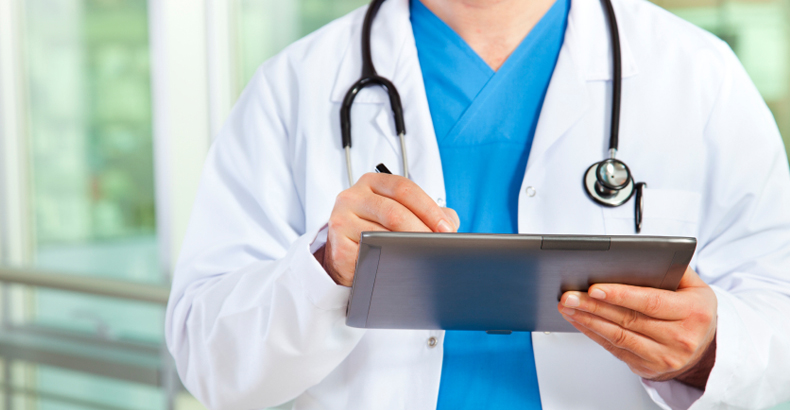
382, 169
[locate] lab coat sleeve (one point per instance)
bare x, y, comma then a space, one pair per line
744, 253
253, 319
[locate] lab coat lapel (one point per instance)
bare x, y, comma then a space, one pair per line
423, 149
567, 99
585, 56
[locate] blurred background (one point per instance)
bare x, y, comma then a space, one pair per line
107, 108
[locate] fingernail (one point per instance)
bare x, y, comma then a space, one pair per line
444, 226
571, 301
597, 294
568, 311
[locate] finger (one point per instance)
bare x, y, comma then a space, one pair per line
655, 329
690, 279
364, 204
657, 359
410, 195
354, 229
632, 360
390, 214
656, 303
450, 212
625, 339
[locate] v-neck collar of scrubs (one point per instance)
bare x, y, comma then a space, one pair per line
473, 80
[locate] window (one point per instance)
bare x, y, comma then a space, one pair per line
84, 80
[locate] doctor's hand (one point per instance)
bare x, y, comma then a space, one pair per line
659, 334
378, 202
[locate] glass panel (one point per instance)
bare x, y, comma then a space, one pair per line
264, 27
87, 67
106, 318
88, 91
759, 33
90, 132
65, 389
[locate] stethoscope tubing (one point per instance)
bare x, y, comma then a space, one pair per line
617, 78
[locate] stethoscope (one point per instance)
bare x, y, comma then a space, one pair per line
608, 182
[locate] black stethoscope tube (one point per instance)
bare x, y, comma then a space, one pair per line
369, 78
617, 77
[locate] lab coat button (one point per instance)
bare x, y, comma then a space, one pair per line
531, 191
432, 342
440, 202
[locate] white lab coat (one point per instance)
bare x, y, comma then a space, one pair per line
254, 321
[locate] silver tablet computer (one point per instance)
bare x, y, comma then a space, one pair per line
498, 283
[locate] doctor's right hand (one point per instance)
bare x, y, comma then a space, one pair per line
378, 202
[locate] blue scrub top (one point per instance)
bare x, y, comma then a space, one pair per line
485, 121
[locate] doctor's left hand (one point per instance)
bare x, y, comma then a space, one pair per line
659, 334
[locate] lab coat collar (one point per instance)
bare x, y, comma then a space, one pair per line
590, 47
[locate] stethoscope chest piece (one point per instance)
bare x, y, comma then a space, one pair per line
609, 182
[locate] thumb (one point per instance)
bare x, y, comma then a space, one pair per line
690, 279
453, 216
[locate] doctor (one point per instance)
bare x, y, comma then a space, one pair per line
507, 104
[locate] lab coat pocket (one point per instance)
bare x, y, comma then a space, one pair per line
667, 212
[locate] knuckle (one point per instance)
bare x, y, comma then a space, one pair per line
336, 224
392, 218
403, 189
582, 318
344, 196
654, 303
630, 320
702, 315
346, 199
367, 178
674, 333
671, 363
609, 347
592, 306
688, 345
620, 338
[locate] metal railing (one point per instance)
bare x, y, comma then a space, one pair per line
146, 363
86, 284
